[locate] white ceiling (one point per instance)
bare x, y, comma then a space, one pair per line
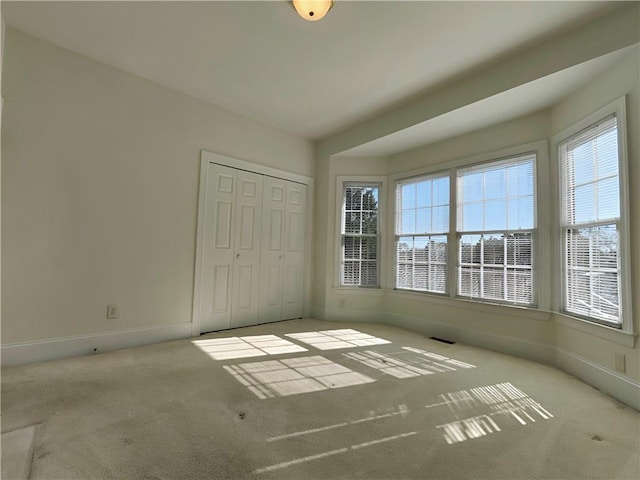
313, 79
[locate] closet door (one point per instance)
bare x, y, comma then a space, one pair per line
252, 250
219, 249
272, 249
294, 230
246, 261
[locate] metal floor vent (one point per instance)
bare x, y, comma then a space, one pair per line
442, 340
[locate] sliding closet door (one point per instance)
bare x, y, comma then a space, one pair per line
294, 227
272, 255
246, 266
219, 249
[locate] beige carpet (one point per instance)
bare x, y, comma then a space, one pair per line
307, 399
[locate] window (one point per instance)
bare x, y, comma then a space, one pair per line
360, 235
495, 212
422, 227
590, 220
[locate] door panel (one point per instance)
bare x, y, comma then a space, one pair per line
295, 212
244, 284
274, 287
246, 278
246, 237
223, 224
275, 226
272, 250
294, 239
215, 301
221, 284
292, 298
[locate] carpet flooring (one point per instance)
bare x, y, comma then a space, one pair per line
307, 399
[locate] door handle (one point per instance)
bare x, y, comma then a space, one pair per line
237, 255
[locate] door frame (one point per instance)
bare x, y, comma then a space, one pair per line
207, 158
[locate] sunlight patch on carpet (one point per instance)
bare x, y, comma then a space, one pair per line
280, 466
373, 416
411, 362
335, 339
243, 347
293, 376
491, 405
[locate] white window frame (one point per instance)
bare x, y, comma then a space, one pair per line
341, 183
617, 108
397, 236
533, 231
541, 258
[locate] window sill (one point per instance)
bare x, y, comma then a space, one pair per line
611, 334
496, 308
357, 290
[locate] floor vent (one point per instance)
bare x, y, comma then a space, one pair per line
442, 340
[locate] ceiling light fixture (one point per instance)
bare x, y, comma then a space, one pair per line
312, 10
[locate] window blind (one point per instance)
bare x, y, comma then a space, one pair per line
589, 175
590, 217
496, 222
422, 225
360, 236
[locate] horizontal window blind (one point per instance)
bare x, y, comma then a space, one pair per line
589, 175
496, 224
496, 267
590, 218
592, 272
360, 237
422, 225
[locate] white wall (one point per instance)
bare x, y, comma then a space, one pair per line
99, 192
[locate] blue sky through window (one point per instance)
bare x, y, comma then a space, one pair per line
424, 206
496, 198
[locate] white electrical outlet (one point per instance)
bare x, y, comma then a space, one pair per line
112, 311
342, 303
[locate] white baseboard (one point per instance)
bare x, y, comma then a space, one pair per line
52, 349
608, 381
